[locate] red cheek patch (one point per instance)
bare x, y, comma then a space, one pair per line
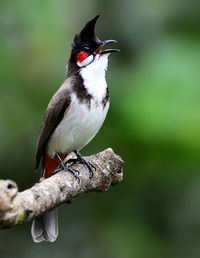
81, 56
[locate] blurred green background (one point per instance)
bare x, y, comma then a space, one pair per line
153, 123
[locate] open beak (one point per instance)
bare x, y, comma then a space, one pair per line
106, 51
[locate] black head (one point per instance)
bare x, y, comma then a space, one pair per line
86, 38
86, 44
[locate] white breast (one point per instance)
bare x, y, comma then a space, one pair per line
94, 77
81, 123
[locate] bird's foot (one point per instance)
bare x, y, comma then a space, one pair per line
83, 161
74, 172
66, 168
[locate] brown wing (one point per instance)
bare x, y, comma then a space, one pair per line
54, 114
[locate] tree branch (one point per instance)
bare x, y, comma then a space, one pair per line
21, 207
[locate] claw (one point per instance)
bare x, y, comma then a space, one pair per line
56, 171
85, 162
90, 167
74, 172
66, 168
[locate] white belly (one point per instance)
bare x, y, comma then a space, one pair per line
79, 125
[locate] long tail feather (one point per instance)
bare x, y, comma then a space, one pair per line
45, 227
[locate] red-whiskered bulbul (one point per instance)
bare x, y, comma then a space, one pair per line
74, 116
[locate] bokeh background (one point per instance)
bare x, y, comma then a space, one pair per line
153, 123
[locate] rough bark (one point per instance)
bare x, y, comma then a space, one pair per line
21, 207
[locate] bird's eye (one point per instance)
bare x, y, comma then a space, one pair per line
82, 55
86, 48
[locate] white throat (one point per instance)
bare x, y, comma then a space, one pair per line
94, 77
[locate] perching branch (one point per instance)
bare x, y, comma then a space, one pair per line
21, 207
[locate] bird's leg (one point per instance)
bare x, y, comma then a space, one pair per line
65, 168
83, 161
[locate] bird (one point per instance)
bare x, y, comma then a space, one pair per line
73, 116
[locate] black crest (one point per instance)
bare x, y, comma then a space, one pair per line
87, 36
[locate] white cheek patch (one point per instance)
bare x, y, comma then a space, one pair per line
86, 61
